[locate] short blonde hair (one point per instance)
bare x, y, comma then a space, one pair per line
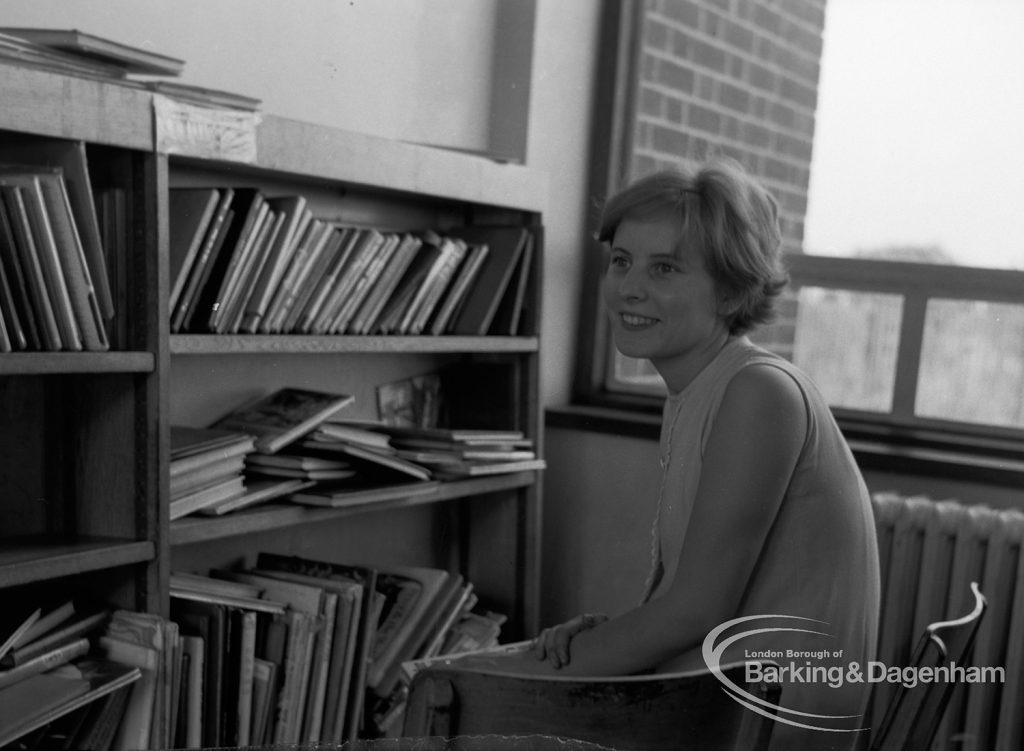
730, 217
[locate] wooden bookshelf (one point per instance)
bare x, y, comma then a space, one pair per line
85, 436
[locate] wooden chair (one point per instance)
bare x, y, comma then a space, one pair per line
912, 719
677, 711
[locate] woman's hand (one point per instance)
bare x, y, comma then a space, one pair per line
552, 644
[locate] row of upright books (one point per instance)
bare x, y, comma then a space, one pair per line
293, 446
55, 293
244, 262
288, 651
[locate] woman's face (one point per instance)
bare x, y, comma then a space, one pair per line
662, 301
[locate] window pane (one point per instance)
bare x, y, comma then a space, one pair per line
972, 363
847, 342
635, 375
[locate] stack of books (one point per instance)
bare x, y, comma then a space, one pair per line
451, 453
296, 650
206, 468
244, 263
85, 679
77, 53
54, 290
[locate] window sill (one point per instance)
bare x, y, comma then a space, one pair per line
999, 463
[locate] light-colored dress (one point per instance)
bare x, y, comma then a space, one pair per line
819, 560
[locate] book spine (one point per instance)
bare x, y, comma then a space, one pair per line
44, 662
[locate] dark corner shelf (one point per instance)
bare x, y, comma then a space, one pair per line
32, 560
46, 363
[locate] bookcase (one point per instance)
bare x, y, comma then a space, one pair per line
84, 436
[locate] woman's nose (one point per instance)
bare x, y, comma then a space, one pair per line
631, 285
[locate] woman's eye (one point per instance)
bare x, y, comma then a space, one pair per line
618, 261
663, 268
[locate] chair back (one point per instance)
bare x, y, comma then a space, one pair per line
912, 719
676, 711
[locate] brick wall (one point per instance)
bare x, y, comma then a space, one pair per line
740, 78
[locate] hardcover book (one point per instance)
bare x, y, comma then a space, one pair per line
283, 416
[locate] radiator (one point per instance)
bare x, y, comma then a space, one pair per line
930, 551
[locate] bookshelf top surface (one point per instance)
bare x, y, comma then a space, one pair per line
50, 104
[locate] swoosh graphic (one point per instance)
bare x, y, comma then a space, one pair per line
712, 651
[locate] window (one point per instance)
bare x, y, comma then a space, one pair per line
910, 330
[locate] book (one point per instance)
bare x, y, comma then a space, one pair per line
505, 247
325, 285
333, 431
294, 461
131, 59
264, 678
190, 211
247, 247
100, 727
71, 630
258, 491
358, 250
480, 469
200, 583
18, 51
452, 253
251, 273
46, 661
193, 449
70, 158
324, 255
402, 257
25, 249
225, 490
204, 96
510, 310
36, 224
195, 648
140, 713
372, 602
206, 620
368, 456
16, 628
410, 591
206, 476
212, 242
70, 251
296, 218
45, 697
365, 492
284, 416
465, 276
188, 441
19, 283
46, 623
385, 245
249, 209
318, 234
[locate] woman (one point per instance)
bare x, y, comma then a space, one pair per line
762, 510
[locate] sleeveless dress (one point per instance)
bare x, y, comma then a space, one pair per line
819, 560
